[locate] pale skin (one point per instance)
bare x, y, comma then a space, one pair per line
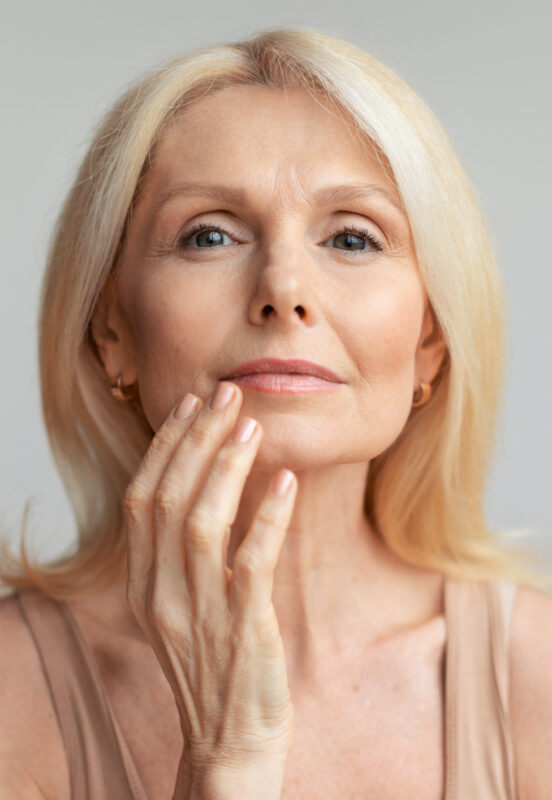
331, 620
364, 314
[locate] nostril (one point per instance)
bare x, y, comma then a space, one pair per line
299, 309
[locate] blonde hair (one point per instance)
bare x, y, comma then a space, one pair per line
424, 495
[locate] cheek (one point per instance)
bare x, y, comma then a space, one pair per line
387, 330
175, 340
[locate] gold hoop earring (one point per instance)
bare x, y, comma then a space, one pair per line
421, 395
121, 392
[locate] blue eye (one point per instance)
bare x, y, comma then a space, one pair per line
355, 239
350, 239
204, 236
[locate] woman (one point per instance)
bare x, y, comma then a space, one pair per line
270, 359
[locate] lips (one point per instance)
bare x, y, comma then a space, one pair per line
290, 366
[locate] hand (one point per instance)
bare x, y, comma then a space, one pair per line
213, 629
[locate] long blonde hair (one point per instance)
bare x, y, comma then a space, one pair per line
425, 494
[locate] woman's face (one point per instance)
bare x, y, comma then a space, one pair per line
305, 253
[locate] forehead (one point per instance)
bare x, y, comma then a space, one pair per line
266, 138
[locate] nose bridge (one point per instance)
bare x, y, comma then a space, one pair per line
285, 283
284, 248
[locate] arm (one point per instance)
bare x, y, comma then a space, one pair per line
531, 693
33, 763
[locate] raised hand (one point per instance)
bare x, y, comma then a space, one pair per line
213, 629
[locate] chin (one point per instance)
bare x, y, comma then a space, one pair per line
297, 456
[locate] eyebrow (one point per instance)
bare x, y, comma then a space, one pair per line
341, 193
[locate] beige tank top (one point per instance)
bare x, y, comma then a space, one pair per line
478, 745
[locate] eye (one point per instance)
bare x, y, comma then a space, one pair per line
350, 239
204, 236
354, 239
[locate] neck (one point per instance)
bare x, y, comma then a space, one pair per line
335, 583
332, 566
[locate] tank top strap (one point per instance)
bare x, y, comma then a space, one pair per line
479, 751
99, 760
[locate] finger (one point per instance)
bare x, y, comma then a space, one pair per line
138, 498
181, 482
214, 511
255, 560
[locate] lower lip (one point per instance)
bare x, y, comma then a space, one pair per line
285, 382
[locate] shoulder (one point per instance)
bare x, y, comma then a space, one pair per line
530, 663
32, 756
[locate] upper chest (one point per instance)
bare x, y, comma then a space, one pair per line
377, 728
370, 724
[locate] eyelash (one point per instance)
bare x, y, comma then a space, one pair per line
363, 233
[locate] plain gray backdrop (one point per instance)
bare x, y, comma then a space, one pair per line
483, 67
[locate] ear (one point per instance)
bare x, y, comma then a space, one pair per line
112, 335
431, 349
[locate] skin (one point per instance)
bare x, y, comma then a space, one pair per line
363, 655
178, 318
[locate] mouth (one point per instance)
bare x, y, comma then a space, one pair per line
284, 375
288, 366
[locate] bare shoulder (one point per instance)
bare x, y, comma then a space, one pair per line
531, 692
32, 756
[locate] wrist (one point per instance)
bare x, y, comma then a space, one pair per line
261, 780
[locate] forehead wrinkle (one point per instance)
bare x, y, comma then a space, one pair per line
287, 192
281, 185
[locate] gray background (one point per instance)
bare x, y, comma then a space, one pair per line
484, 68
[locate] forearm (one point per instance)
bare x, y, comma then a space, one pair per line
217, 782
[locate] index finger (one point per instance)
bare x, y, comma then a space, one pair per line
138, 497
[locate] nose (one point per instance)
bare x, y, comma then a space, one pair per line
284, 288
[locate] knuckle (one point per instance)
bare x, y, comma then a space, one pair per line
165, 438
161, 604
248, 566
263, 524
167, 501
199, 435
135, 499
224, 464
199, 529
162, 616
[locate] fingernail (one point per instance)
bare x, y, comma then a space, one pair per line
222, 396
282, 482
186, 407
243, 430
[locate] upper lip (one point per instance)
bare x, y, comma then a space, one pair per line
296, 366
